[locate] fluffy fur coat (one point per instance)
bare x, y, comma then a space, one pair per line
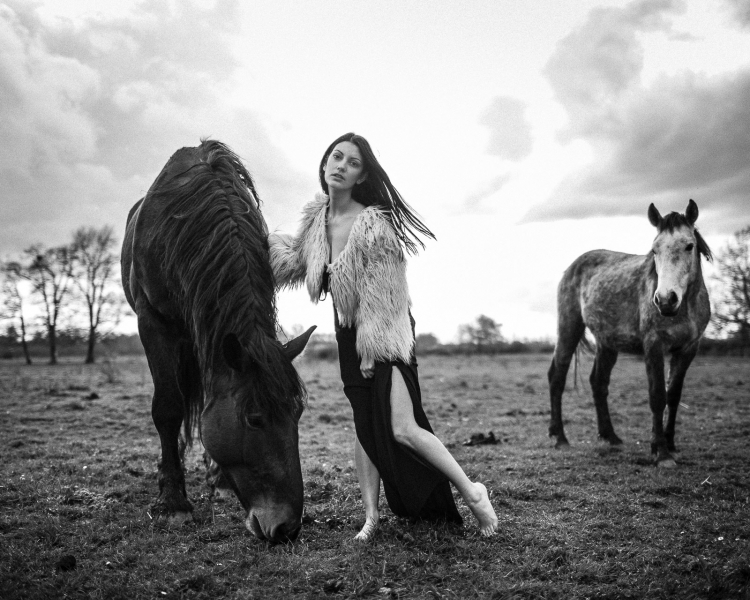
367, 280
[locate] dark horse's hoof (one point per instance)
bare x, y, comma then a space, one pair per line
221, 493
173, 513
562, 443
179, 518
664, 460
612, 439
174, 518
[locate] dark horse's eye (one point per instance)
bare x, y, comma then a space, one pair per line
689, 247
255, 421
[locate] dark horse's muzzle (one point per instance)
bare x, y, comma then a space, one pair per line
271, 527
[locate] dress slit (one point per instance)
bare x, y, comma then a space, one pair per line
413, 488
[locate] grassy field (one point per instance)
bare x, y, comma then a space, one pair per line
78, 468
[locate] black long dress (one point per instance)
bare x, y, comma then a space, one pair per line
413, 488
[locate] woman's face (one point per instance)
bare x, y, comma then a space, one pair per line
344, 167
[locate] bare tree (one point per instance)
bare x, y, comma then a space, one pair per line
95, 270
12, 301
485, 332
50, 273
732, 304
426, 342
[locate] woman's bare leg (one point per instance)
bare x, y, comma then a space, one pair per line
429, 447
369, 486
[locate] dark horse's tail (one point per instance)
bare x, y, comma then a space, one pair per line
217, 249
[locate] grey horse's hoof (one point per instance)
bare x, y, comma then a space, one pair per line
666, 463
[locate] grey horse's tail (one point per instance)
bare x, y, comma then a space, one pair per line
588, 348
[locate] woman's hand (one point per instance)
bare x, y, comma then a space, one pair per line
367, 367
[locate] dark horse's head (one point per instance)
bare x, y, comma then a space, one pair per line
217, 267
251, 433
677, 249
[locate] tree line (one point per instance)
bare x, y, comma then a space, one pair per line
72, 287
76, 291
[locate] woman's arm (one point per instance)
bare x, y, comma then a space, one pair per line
290, 254
382, 318
286, 260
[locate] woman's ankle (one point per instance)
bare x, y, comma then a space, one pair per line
372, 523
473, 493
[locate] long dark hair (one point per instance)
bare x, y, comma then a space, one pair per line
377, 190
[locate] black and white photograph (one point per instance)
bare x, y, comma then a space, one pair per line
375, 299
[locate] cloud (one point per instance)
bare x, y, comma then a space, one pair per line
474, 202
509, 138
90, 111
510, 132
594, 66
741, 9
684, 136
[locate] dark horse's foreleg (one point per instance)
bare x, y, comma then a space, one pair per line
163, 350
657, 394
220, 484
678, 366
569, 334
603, 363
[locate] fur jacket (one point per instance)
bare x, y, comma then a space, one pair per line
367, 280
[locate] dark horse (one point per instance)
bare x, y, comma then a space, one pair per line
196, 271
653, 304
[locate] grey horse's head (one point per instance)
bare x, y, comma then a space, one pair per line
677, 249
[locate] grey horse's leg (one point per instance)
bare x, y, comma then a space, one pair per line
678, 366
163, 350
569, 335
657, 394
603, 363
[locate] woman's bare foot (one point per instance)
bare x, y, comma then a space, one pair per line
483, 511
368, 530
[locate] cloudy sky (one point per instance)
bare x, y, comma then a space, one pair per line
524, 133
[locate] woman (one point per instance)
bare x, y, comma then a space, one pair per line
351, 243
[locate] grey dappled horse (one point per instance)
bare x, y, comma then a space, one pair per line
196, 271
654, 305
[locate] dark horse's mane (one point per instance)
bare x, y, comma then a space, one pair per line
675, 220
217, 253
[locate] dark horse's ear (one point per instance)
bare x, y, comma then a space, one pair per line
293, 347
653, 216
691, 212
234, 354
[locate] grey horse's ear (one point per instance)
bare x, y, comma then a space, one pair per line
691, 212
653, 216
